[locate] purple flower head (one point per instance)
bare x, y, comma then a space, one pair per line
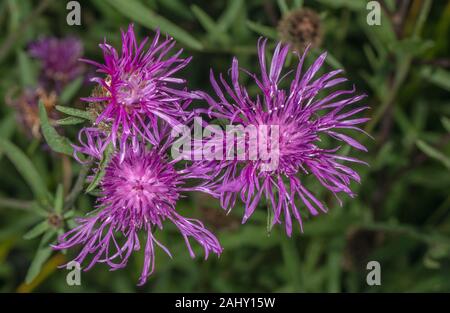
59, 58
302, 117
138, 195
138, 88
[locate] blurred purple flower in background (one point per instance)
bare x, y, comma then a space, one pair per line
303, 118
137, 88
60, 65
60, 60
27, 111
138, 194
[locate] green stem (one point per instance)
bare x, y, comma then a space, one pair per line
425, 10
78, 186
400, 76
402, 70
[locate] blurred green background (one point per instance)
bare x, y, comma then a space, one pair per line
400, 217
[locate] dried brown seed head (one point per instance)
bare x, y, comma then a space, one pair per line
299, 28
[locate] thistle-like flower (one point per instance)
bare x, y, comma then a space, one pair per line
138, 194
302, 117
138, 88
59, 58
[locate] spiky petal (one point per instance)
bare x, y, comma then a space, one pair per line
139, 194
302, 117
138, 87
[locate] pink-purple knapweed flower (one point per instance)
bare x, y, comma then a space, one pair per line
138, 87
59, 58
139, 193
303, 114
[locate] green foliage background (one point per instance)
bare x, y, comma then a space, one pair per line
399, 218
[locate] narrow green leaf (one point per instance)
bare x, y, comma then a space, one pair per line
333, 62
15, 14
41, 256
70, 90
433, 153
230, 14
146, 17
71, 223
48, 237
57, 142
423, 15
71, 120
371, 57
96, 180
177, 7
7, 126
59, 199
17, 228
74, 112
69, 214
37, 230
27, 76
26, 168
214, 33
39, 210
263, 30
205, 20
437, 76
105, 8
412, 46
283, 6
101, 169
381, 36
446, 123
